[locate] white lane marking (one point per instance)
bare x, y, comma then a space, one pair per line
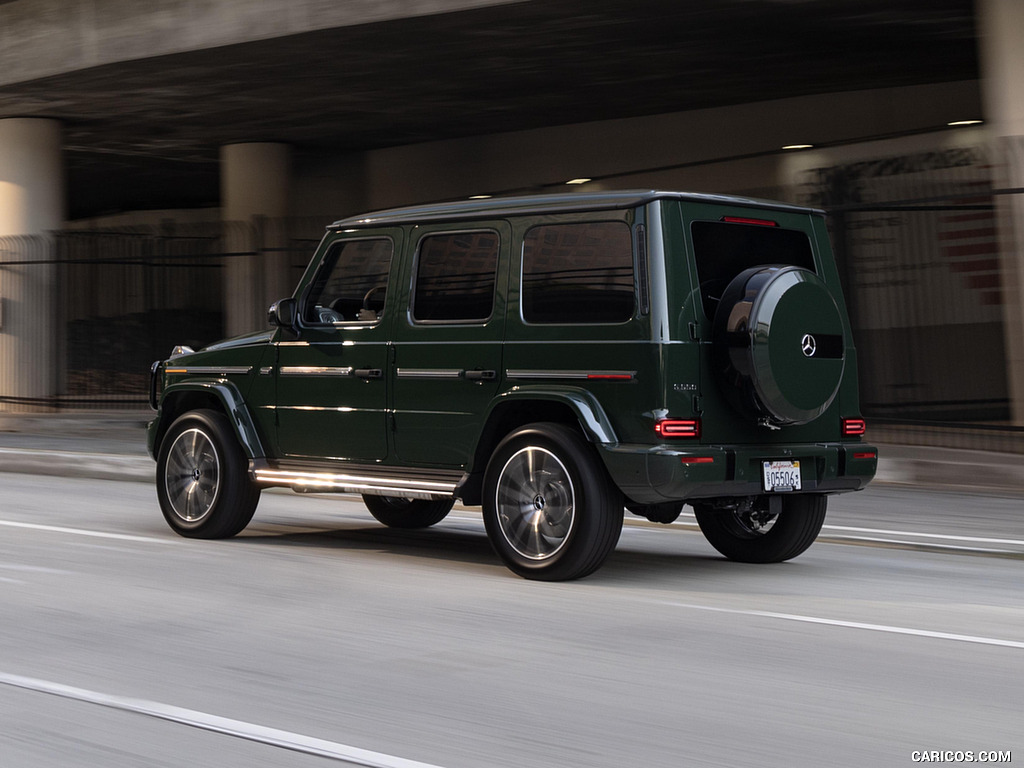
916, 534
223, 725
33, 569
469, 517
83, 532
920, 544
943, 536
855, 625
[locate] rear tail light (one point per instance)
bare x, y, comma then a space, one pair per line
698, 459
854, 427
865, 455
673, 428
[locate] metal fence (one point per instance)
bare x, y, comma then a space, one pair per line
916, 241
108, 303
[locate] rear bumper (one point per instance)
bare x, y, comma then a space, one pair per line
654, 474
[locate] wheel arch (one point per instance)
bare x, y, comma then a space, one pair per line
220, 396
575, 408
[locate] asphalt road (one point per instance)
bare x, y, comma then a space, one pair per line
320, 638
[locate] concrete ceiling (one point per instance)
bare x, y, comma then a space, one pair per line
503, 68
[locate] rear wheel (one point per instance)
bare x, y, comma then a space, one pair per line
551, 511
396, 512
752, 531
202, 478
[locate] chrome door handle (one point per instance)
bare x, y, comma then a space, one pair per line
368, 373
480, 375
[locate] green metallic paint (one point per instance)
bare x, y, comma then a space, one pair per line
796, 386
232, 404
438, 419
257, 338
583, 403
223, 374
431, 410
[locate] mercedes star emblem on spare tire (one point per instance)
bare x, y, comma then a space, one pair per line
808, 345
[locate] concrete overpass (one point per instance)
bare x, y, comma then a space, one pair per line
154, 90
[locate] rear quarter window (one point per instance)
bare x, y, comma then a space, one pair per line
578, 273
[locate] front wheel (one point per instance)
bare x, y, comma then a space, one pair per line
550, 509
202, 478
397, 512
751, 531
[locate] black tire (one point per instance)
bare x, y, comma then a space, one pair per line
396, 512
202, 477
550, 509
754, 536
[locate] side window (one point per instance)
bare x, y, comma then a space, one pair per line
578, 273
351, 283
455, 277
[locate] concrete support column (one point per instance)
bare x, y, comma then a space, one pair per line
255, 194
31, 206
1001, 29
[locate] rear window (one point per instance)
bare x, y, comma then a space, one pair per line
578, 273
724, 249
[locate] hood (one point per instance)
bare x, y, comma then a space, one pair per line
257, 337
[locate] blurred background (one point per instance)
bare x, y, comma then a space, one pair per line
167, 168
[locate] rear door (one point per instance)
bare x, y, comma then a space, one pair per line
448, 341
577, 323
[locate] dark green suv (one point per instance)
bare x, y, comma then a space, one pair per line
555, 359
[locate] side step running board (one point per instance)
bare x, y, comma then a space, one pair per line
371, 480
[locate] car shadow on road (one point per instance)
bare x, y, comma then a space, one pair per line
659, 563
436, 543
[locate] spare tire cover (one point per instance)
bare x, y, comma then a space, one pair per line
779, 345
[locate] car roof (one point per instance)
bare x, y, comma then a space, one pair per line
552, 203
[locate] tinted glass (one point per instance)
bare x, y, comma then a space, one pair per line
723, 250
578, 273
455, 276
351, 283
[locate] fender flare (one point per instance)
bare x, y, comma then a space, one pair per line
592, 417
234, 408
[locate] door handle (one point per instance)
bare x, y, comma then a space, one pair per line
480, 375
368, 373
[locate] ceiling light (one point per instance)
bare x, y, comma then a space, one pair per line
798, 146
964, 122
479, 197
577, 181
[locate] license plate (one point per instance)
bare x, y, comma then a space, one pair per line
781, 476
